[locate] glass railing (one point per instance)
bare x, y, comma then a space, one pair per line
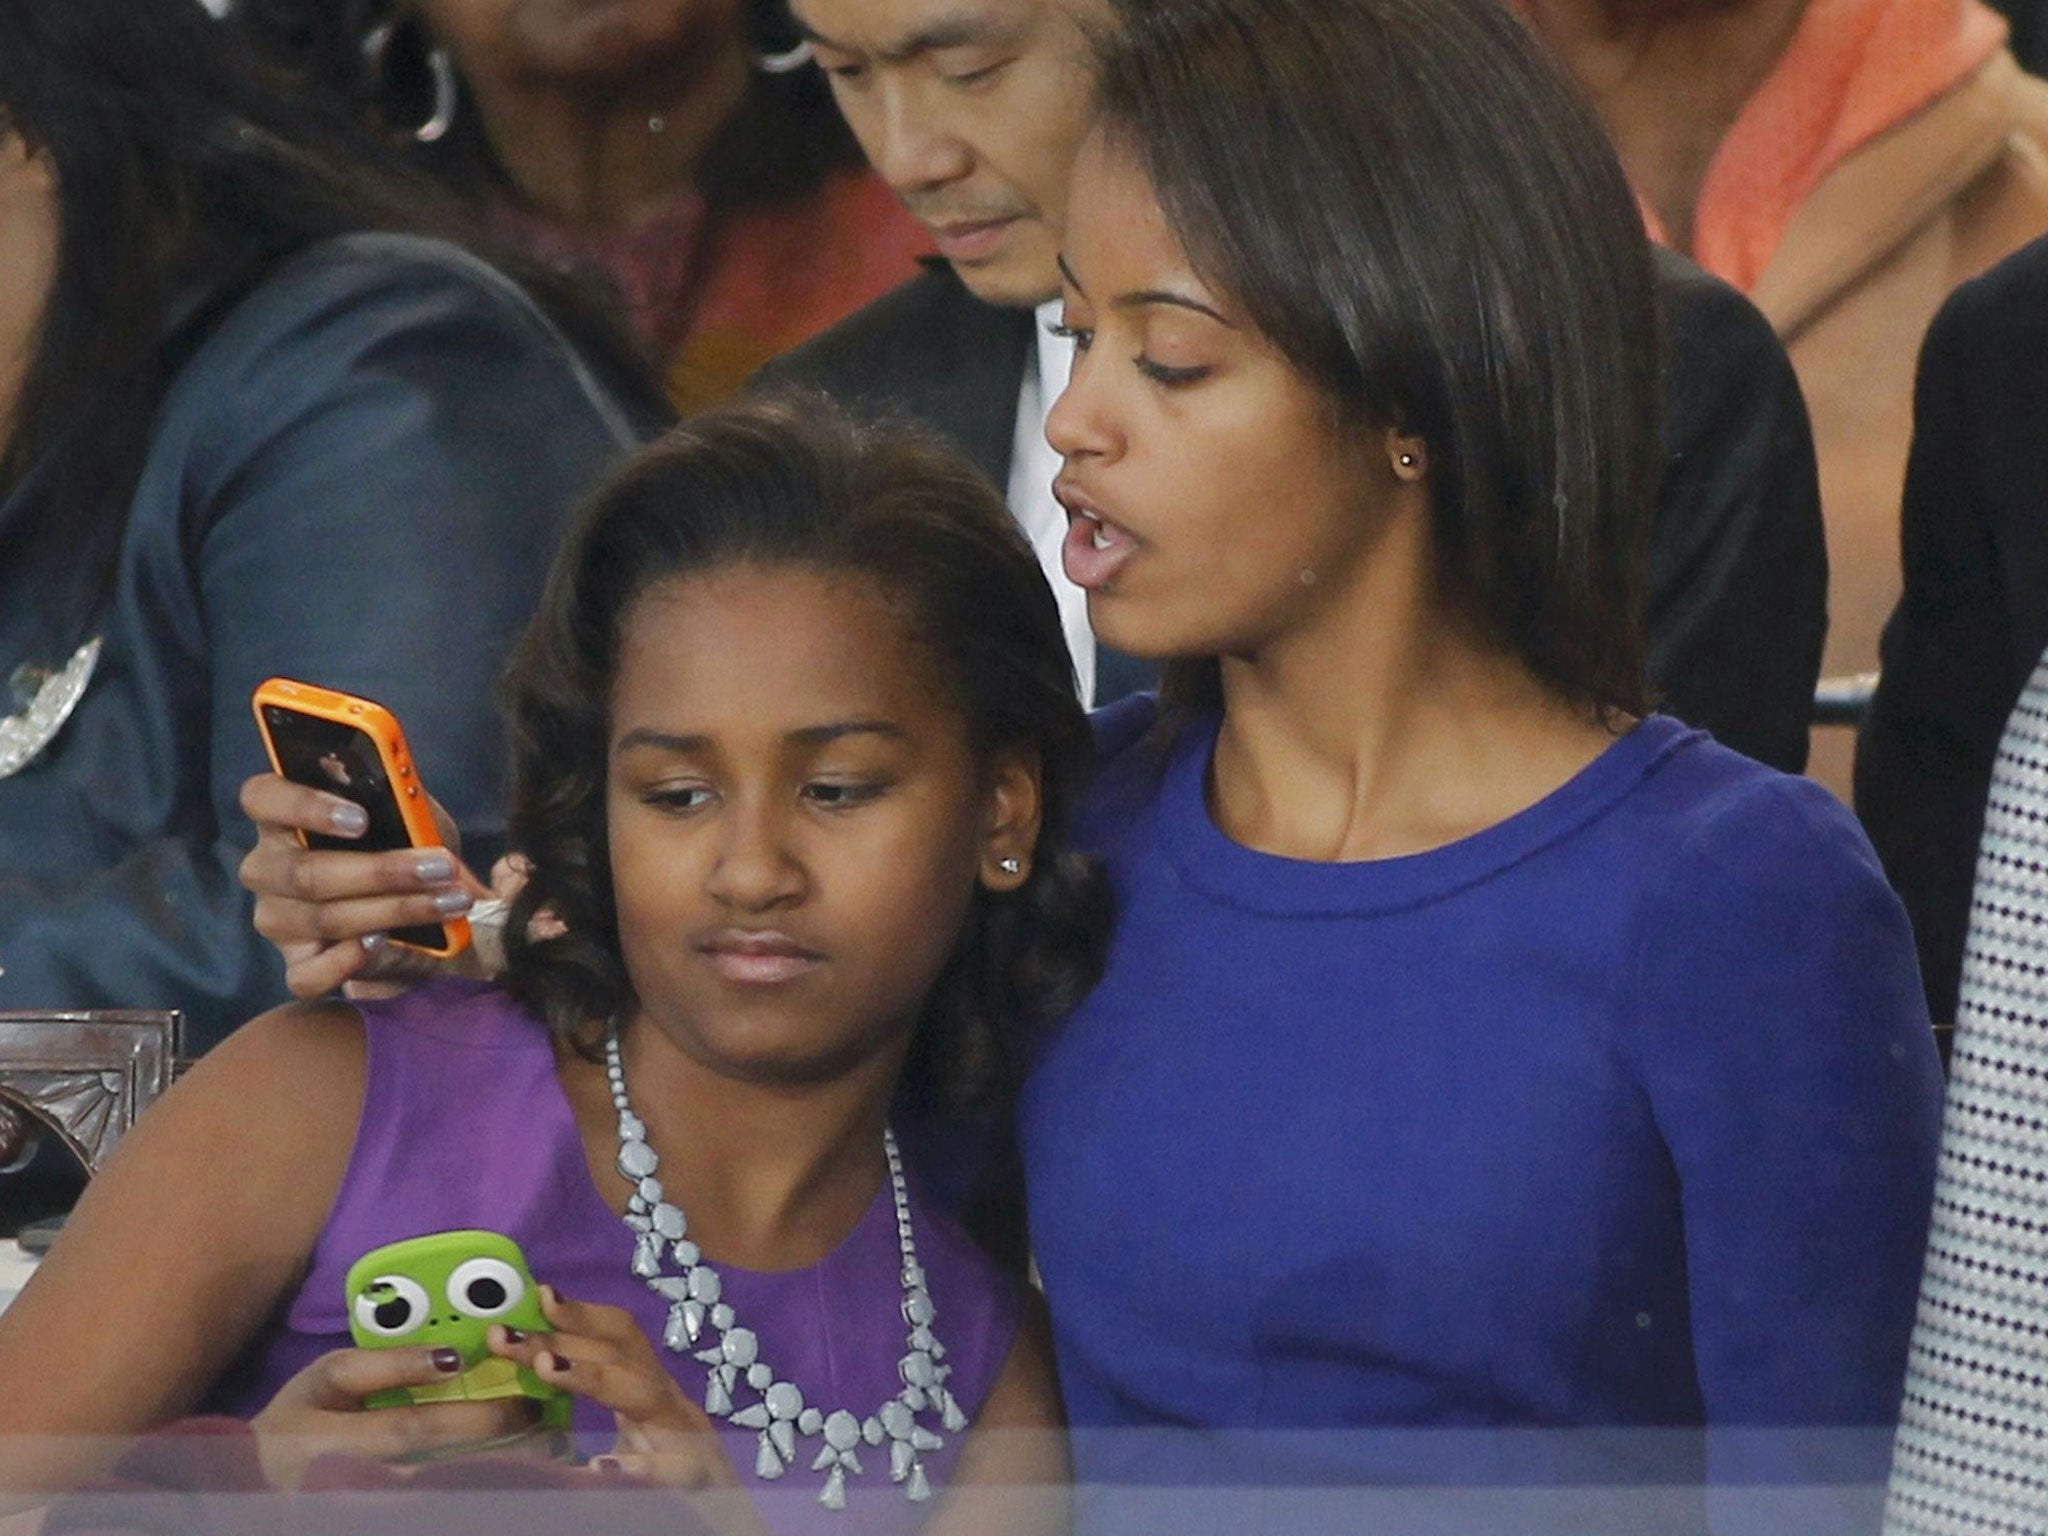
215, 1477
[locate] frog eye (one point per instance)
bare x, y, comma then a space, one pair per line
391, 1306
485, 1288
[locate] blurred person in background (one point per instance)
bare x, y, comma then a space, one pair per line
1973, 620
1846, 163
682, 148
253, 421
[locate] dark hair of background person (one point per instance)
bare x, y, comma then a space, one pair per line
794, 481
1412, 204
782, 142
183, 177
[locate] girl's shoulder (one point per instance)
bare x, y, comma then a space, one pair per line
1758, 884
451, 1013
1723, 812
308, 1054
353, 1065
453, 1061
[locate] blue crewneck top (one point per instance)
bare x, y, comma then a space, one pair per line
1620, 1112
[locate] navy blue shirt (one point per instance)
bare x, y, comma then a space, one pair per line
1621, 1112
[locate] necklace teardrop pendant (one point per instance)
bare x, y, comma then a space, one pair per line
779, 1413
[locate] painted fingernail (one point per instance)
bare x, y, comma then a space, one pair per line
608, 1466
556, 1362
349, 820
372, 942
433, 868
448, 903
514, 1336
447, 1360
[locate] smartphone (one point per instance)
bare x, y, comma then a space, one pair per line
443, 1291
354, 748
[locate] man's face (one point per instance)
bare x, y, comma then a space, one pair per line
973, 111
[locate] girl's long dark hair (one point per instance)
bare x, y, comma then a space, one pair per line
183, 175
1413, 204
797, 482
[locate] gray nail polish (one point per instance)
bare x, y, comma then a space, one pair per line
349, 819
449, 903
433, 868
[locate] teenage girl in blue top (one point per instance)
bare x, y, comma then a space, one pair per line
1477, 1049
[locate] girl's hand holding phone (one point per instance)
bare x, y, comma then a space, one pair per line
321, 1411
328, 910
600, 1353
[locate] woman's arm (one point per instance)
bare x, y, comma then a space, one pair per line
1785, 1047
182, 1247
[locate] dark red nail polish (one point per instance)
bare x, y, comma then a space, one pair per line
514, 1336
447, 1360
559, 1363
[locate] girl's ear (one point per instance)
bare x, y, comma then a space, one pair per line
1407, 455
25, 162
1015, 808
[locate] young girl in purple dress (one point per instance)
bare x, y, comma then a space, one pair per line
795, 739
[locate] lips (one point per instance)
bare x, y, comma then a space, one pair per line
970, 241
1096, 550
757, 957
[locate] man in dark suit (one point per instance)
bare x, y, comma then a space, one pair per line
974, 109
1972, 621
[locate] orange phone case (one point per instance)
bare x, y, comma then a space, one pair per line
401, 784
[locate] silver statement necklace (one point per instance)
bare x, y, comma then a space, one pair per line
778, 1412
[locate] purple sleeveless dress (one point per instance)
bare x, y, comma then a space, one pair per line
464, 1124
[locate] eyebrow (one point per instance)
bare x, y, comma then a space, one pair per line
1147, 297
803, 736
959, 30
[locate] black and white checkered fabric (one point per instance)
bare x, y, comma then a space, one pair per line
1972, 1451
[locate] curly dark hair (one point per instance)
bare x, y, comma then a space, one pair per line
795, 480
